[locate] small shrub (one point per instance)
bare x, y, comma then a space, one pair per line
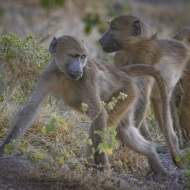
185, 158
23, 60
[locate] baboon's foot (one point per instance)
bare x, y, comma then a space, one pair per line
154, 175
175, 178
99, 168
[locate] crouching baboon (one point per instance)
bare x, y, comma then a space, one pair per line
134, 43
76, 79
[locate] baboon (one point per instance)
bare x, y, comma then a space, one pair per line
134, 43
77, 79
184, 110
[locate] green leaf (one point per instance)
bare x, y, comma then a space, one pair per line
177, 159
188, 157
112, 130
187, 173
93, 150
61, 160
24, 147
47, 129
108, 145
1, 98
62, 123
101, 133
87, 29
38, 156
102, 147
9, 147
115, 143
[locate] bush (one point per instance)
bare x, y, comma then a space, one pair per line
22, 62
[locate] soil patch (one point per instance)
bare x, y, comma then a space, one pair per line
13, 167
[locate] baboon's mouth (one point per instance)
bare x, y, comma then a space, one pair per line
108, 49
74, 77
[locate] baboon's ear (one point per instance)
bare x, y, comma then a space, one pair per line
136, 28
52, 45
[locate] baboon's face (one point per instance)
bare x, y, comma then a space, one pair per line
70, 55
120, 34
109, 41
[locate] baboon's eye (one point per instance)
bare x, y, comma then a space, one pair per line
75, 55
83, 56
113, 27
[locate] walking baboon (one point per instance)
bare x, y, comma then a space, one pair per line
134, 43
75, 78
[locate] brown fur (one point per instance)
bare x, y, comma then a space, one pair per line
78, 80
134, 43
175, 104
184, 110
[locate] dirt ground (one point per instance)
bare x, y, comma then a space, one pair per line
13, 167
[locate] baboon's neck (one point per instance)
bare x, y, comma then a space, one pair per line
143, 51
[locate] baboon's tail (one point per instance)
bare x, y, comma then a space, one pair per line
183, 35
140, 70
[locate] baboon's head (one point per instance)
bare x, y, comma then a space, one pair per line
70, 54
123, 32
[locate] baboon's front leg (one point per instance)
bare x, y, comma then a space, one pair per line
99, 123
25, 117
88, 149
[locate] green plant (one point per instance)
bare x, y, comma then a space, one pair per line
109, 141
57, 151
23, 60
96, 16
185, 158
108, 136
91, 20
47, 4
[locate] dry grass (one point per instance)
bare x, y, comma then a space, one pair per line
72, 140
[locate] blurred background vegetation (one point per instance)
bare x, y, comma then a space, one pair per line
87, 18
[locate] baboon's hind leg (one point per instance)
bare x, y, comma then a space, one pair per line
157, 107
131, 137
176, 124
184, 117
145, 131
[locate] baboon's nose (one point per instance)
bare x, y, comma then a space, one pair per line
78, 73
